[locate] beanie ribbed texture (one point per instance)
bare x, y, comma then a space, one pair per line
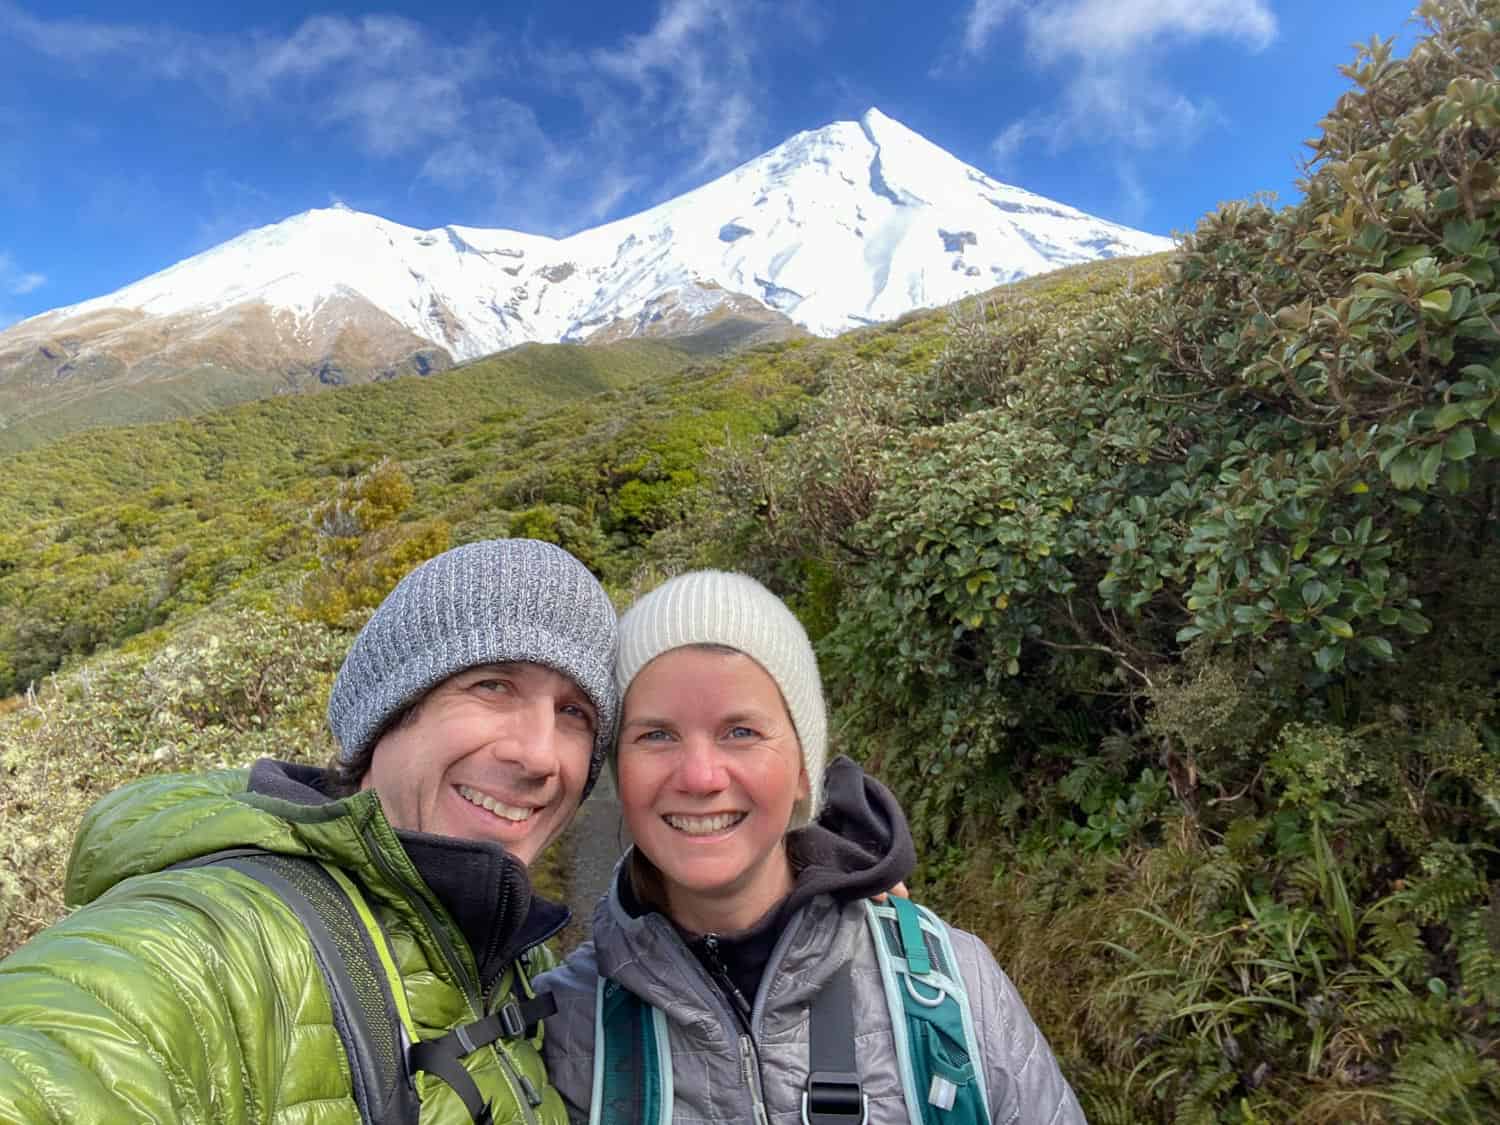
496, 601
717, 607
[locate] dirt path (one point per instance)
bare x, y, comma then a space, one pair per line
599, 839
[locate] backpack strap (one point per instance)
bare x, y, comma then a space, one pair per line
349, 946
936, 1046
833, 1094
444, 1055
632, 1059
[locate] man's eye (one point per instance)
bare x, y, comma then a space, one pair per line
657, 735
573, 710
491, 685
742, 732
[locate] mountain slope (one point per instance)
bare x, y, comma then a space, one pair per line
855, 223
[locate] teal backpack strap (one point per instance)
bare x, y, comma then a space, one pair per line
937, 1051
632, 1059
357, 972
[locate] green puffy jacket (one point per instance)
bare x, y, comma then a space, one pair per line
192, 995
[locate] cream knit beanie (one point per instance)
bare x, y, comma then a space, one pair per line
715, 607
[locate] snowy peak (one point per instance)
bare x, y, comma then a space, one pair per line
853, 223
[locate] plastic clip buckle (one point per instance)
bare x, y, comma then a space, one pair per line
834, 1098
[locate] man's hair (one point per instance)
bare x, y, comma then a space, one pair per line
344, 776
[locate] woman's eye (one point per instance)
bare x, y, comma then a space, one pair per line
657, 735
741, 732
491, 685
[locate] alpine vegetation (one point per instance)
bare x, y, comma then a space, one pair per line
1165, 592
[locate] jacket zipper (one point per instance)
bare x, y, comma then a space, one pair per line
749, 1055
750, 1069
524, 1093
725, 982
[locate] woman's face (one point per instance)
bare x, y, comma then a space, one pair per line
709, 769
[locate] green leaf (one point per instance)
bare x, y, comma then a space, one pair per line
1404, 470
1312, 592
1450, 416
1337, 626
1460, 445
1456, 478
1439, 300
1430, 462
1378, 647
1461, 236
1407, 255
1327, 659
1415, 624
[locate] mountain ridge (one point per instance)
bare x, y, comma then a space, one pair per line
854, 223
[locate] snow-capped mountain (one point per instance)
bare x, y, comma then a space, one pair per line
854, 223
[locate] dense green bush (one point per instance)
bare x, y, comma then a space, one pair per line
1166, 594
1183, 602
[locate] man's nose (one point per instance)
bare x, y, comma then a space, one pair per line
701, 767
532, 741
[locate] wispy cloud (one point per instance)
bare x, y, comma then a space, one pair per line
983, 20
1106, 49
396, 89
692, 78
16, 282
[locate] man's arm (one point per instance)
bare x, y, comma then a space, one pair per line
178, 997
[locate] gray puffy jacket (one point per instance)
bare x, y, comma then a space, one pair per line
647, 956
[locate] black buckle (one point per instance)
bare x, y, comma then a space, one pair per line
512, 1023
834, 1098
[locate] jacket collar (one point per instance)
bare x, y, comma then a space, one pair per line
484, 889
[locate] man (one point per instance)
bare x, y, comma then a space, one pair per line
472, 713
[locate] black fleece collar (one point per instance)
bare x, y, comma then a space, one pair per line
484, 888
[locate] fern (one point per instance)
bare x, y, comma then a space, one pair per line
1478, 957
1445, 1079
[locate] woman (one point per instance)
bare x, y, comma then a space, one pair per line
736, 939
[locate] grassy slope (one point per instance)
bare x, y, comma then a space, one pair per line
163, 562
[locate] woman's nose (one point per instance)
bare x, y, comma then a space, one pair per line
701, 767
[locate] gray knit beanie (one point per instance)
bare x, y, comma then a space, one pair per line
716, 607
496, 601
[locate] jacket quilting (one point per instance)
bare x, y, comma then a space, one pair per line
192, 994
647, 956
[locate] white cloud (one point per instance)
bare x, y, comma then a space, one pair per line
693, 71
1135, 200
983, 20
16, 282
1106, 51
1110, 28
690, 82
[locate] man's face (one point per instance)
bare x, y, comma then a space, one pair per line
499, 752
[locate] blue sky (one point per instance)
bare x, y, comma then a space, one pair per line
133, 135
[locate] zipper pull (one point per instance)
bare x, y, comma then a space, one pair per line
529, 1090
747, 1062
725, 981
747, 1072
